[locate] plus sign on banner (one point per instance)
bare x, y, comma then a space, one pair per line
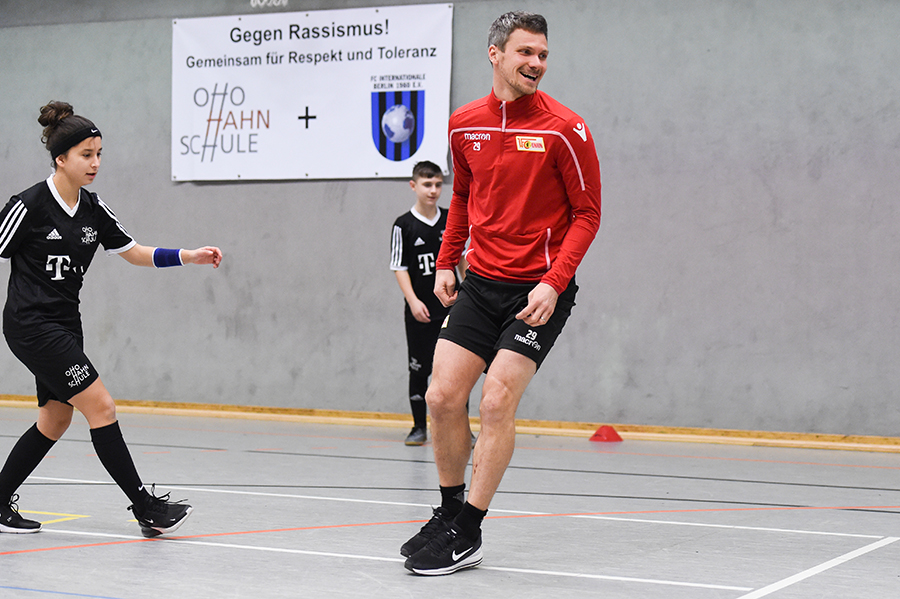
336, 94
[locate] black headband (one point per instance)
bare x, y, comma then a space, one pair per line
73, 139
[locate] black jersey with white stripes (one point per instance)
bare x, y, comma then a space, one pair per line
415, 243
50, 248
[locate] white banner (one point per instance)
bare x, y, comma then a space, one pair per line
332, 94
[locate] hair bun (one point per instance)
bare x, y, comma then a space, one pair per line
54, 112
51, 115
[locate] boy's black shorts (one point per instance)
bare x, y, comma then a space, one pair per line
55, 356
483, 319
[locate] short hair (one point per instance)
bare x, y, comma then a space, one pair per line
506, 23
426, 170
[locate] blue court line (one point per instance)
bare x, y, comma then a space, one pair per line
57, 593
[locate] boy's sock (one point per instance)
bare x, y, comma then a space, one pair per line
25, 456
452, 498
418, 385
469, 521
113, 453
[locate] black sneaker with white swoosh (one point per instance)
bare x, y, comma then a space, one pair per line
158, 515
449, 551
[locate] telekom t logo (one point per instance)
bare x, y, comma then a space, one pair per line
426, 263
56, 265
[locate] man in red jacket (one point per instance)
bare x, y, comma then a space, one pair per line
526, 194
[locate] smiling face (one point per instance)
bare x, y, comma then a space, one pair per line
80, 164
519, 67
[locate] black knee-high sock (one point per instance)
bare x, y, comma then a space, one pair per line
25, 456
113, 453
418, 385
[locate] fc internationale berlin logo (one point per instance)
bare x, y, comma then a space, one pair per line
398, 123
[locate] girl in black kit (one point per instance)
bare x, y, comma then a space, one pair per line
50, 233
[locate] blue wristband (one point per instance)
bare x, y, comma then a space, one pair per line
163, 258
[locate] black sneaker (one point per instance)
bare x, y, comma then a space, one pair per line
417, 436
440, 520
159, 515
446, 553
11, 521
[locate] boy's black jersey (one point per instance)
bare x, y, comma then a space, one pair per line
415, 243
50, 249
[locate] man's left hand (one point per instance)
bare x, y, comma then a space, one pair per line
541, 304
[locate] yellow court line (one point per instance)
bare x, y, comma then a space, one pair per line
65, 518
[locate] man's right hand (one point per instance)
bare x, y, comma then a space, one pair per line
445, 287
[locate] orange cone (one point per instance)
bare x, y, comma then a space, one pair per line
606, 434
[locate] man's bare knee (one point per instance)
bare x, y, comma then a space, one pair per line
443, 399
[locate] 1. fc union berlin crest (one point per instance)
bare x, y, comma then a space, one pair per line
398, 123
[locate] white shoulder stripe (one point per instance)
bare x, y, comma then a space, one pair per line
565, 140
11, 223
113, 216
396, 248
107, 208
531, 132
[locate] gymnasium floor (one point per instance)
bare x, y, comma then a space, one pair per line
293, 509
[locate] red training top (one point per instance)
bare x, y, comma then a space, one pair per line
526, 189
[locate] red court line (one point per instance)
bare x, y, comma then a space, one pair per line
394, 523
84, 546
206, 536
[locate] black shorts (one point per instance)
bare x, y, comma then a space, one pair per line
421, 337
55, 356
483, 319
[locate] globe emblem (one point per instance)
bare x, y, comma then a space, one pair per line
398, 123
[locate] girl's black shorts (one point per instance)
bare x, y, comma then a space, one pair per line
55, 356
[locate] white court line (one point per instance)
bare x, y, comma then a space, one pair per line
730, 526
753, 595
493, 510
401, 560
768, 590
617, 578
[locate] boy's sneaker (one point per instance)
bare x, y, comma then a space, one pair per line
446, 553
417, 436
11, 521
440, 520
158, 515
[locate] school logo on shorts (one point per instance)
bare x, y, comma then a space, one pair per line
79, 374
446, 322
398, 123
525, 143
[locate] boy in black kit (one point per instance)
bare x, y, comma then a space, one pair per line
415, 242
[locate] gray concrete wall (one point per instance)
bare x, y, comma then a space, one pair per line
745, 275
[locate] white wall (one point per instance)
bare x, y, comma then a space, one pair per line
745, 276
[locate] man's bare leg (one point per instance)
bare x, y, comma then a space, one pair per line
506, 381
